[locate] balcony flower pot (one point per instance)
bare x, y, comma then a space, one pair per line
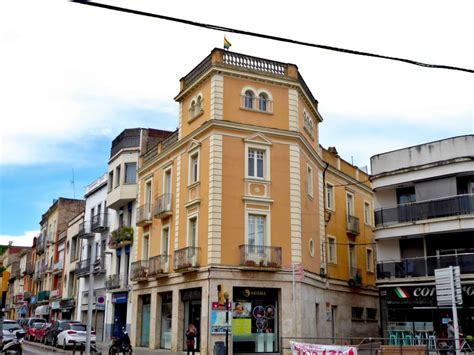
272, 264
249, 263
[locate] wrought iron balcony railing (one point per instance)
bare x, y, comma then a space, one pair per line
163, 205
116, 281
144, 216
99, 223
58, 267
353, 225
424, 266
139, 270
186, 259
444, 207
84, 230
159, 265
260, 256
83, 268
99, 264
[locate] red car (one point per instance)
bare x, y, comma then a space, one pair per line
40, 334
31, 332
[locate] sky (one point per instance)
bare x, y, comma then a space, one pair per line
72, 77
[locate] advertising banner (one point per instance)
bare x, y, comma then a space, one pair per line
320, 349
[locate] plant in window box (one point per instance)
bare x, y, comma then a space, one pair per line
249, 263
272, 264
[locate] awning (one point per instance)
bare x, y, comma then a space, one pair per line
42, 310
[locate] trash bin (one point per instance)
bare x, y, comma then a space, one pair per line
219, 348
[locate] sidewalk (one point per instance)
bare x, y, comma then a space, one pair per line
104, 348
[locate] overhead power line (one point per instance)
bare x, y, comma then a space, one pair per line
274, 38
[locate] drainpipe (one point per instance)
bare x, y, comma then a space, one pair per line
324, 251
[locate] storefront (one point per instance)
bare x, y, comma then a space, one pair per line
166, 318
67, 308
55, 310
192, 313
414, 308
255, 320
119, 302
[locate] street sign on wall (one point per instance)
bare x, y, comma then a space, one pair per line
448, 281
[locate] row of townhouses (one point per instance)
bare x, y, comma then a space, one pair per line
242, 202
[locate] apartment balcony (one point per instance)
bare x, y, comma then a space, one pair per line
424, 266
186, 259
159, 265
15, 271
460, 205
144, 216
48, 268
58, 267
83, 268
43, 296
121, 237
39, 272
355, 279
99, 223
139, 271
85, 230
99, 264
163, 205
353, 226
114, 282
29, 269
55, 293
260, 257
122, 194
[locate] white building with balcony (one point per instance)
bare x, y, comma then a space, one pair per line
424, 220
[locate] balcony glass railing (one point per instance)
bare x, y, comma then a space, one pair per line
186, 258
418, 267
139, 270
159, 265
444, 207
260, 256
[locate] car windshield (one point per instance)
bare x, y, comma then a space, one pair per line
78, 327
38, 325
39, 320
10, 325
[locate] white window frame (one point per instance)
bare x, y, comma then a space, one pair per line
188, 235
165, 171
367, 213
350, 208
266, 236
146, 237
330, 202
266, 161
369, 261
191, 178
332, 259
309, 180
167, 251
268, 103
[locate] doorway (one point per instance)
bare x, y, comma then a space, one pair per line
145, 321
192, 315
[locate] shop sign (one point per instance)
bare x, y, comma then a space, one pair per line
218, 320
189, 295
320, 349
55, 305
420, 295
120, 297
67, 304
33, 300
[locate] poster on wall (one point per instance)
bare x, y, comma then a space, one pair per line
320, 349
218, 320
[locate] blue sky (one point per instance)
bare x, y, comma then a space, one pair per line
73, 77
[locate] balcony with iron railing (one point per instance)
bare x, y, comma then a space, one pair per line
139, 270
83, 268
99, 223
48, 268
114, 282
43, 296
84, 230
58, 267
163, 205
29, 268
39, 271
260, 256
186, 259
159, 265
15, 271
144, 215
120, 237
40, 245
424, 266
355, 277
353, 225
460, 205
56, 293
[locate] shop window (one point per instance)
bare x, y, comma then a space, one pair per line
371, 313
357, 313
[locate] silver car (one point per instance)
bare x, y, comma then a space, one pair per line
10, 328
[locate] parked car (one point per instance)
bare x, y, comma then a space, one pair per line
74, 332
31, 332
40, 334
28, 322
10, 328
56, 327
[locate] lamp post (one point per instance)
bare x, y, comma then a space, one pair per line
226, 296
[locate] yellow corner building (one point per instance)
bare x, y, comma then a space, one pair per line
242, 201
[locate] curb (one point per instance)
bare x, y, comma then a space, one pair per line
42, 346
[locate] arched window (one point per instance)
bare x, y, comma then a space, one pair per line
249, 99
262, 101
198, 104
192, 107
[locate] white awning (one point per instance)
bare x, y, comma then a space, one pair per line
42, 310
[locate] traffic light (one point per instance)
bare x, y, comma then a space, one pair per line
220, 294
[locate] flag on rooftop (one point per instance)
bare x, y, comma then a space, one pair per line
227, 44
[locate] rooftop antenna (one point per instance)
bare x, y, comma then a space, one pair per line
73, 183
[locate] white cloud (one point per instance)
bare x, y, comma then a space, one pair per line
68, 70
25, 240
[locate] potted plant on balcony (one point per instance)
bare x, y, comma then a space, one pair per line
121, 235
249, 263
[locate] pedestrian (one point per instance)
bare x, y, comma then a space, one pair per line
190, 335
451, 337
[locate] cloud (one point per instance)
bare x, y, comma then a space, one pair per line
25, 240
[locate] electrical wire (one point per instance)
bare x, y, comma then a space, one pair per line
270, 37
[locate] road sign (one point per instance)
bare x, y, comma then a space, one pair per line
448, 280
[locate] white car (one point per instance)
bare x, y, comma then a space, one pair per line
10, 328
74, 333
